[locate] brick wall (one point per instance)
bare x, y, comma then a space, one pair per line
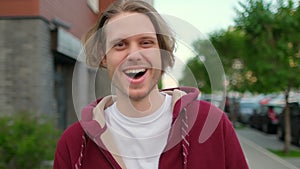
26, 76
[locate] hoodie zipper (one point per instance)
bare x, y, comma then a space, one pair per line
184, 142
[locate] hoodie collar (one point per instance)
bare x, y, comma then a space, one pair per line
182, 97
92, 116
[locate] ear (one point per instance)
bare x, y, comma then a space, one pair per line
103, 62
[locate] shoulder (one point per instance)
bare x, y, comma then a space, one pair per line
69, 146
204, 110
72, 135
205, 116
74, 130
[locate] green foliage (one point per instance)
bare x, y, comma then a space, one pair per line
231, 47
265, 43
280, 153
160, 84
260, 53
272, 39
196, 67
26, 140
269, 49
205, 69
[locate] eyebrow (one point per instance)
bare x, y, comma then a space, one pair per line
152, 36
114, 41
143, 36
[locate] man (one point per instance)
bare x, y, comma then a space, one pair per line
139, 126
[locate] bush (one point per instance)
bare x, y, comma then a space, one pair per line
27, 140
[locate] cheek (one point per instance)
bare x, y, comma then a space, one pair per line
111, 67
113, 63
154, 57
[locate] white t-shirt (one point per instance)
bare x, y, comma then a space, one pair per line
140, 141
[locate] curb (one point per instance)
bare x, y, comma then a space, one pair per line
265, 152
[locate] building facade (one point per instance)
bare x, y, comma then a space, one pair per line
39, 45
40, 40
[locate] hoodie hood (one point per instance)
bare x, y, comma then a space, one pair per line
92, 116
181, 98
93, 122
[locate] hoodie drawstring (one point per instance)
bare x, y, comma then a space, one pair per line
185, 137
83, 145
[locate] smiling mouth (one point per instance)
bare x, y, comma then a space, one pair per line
135, 73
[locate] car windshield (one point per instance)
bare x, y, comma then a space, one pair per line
278, 110
250, 105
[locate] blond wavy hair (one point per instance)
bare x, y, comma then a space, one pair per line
94, 41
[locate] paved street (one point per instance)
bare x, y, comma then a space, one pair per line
254, 144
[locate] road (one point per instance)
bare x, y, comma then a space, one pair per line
257, 155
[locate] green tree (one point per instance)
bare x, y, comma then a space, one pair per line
272, 39
261, 53
231, 47
206, 68
195, 66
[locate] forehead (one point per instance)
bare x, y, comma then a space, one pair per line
126, 24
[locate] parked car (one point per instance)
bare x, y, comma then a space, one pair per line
216, 100
247, 106
295, 123
266, 118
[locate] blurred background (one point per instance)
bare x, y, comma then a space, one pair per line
257, 42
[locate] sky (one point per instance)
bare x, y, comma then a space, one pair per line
191, 19
206, 15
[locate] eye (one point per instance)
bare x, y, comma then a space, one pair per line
147, 43
120, 45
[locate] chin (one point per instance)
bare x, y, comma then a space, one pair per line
138, 93
135, 93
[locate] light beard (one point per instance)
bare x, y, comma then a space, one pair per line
139, 104
123, 93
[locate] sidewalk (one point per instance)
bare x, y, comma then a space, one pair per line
254, 144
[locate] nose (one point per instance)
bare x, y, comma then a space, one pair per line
134, 53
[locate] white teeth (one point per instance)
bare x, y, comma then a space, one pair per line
135, 71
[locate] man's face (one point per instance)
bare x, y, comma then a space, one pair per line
133, 57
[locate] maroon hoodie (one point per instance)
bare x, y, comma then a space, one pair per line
201, 137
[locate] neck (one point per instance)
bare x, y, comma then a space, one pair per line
140, 107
